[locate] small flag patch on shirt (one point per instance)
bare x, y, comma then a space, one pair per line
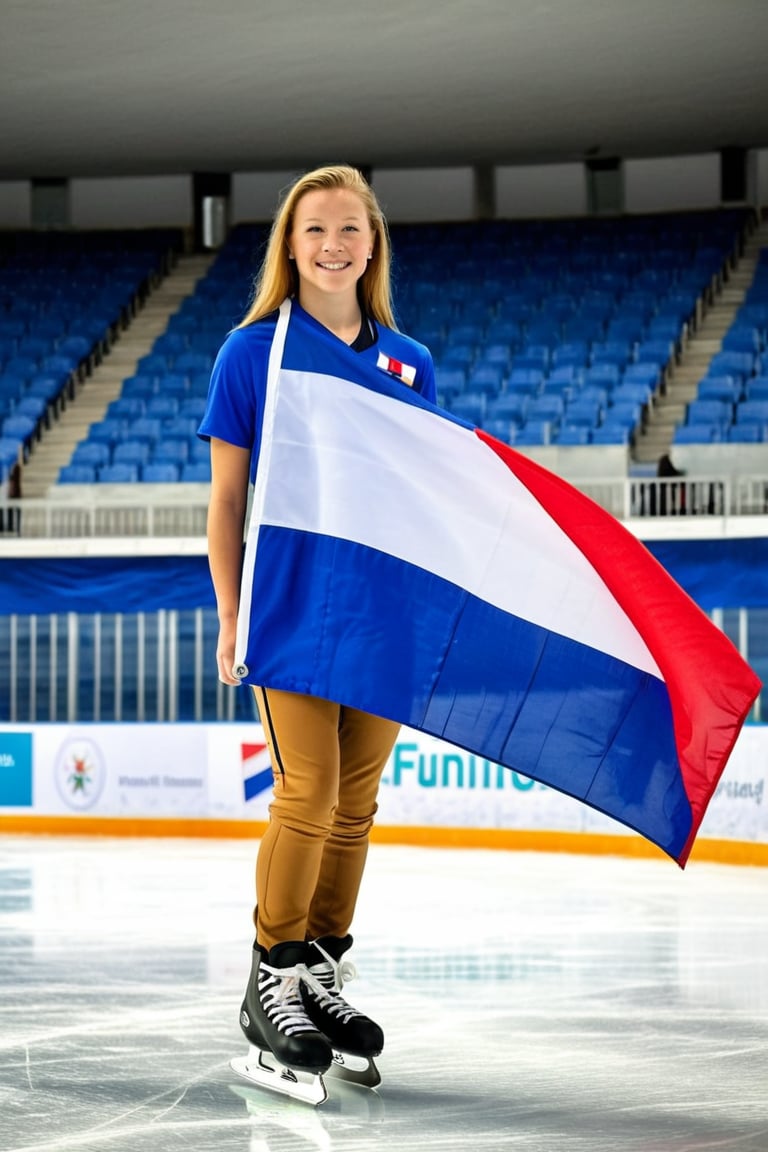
394, 367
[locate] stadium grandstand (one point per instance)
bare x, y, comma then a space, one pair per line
596, 346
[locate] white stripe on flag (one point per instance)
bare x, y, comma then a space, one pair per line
334, 471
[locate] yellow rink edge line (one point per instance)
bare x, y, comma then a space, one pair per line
502, 839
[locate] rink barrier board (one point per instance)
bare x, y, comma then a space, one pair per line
715, 851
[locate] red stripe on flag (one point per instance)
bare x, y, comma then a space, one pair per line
711, 688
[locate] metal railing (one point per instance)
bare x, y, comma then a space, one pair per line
161, 666
139, 516
145, 666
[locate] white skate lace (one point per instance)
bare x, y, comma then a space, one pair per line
280, 996
331, 976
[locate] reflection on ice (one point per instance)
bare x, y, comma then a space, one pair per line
528, 1000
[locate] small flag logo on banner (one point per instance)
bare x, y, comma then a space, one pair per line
396, 368
257, 769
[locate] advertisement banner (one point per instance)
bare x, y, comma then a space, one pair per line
222, 772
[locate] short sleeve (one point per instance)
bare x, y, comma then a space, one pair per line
237, 388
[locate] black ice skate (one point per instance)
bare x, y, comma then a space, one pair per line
288, 1054
355, 1038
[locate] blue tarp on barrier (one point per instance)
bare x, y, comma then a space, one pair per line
715, 573
105, 584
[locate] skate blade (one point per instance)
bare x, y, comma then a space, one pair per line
355, 1070
262, 1069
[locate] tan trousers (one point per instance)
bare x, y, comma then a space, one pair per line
327, 762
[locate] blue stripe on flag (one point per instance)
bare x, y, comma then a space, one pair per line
455, 666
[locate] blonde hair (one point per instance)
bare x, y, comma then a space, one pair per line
277, 277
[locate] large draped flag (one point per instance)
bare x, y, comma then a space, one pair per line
405, 563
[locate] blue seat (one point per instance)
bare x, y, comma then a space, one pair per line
547, 332
545, 408
642, 373
655, 351
752, 412
723, 388
175, 384
92, 453
608, 375
574, 353
486, 378
449, 381
11, 450
583, 413
527, 381
533, 356
508, 406
62, 367
709, 412
470, 406
77, 474
12, 387
126, 408
135, 452
471, 334
612, 352
757, 388
742, 338
624, 415
154, 364
193, 362
533, 433
632, 393
170, 344
572, 434
145, 428
609, 433
107, 431
697, 434
500, 428
121, 473
24, 367
159, 473
162, 406
194, 407
48, 388
564, 375
458, 356
170, 452
506, 332
498, 353
22, 428
747, 433
36, 347
198, 472
739, 364
142, 386
76, 348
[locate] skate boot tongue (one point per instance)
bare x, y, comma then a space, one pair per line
288, 954
334, 946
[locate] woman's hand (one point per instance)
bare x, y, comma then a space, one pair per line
225, 652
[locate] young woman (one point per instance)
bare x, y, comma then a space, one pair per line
329, 253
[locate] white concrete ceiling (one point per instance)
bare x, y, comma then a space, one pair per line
108, 87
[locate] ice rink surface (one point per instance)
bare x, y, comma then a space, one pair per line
531, 1002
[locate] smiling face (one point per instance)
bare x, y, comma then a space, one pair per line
331, 242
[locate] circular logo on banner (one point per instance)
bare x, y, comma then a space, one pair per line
80, 773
